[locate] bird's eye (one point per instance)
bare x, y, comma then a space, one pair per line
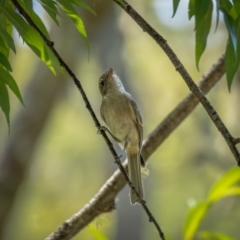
102, 82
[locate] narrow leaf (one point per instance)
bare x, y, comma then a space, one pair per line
191, 9
29, 4
226, 182
237, 24
227, 7
203, 17
73, 15
83, 5
4, 101
4, 61
230, 24
226, 186
54, 60
7, 78
4, 49
231, 63
175, 6
194, 219
29, 35
50, 8
8, 39
3, 2
98, 235
236, 5
214, 236
37, 20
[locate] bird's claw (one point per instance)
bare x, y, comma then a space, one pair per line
118, 157
100, 129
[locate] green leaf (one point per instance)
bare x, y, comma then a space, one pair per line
227, 185
8, 39
7, 78
227, 7
50, 8
4, 61
43, 29
194, 219
29, 4
2, 2
231, 63
37, 20
230, 24
214, 236
73, 15
8, 27
236, 5
175, 6
4, 49
29, 35
4, 101
203, 17
83, 5
224, 184
232, 21
98, 235
54, 60
237, 24
191, 9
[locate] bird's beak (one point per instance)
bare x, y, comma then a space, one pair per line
110, 73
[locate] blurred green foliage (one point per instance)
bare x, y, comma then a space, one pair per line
226, 186
202, 11
32, 38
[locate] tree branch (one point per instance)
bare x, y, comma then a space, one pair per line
236, 141
183, 109
185, 75
103, 201
50, 44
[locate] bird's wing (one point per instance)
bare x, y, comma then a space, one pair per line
101, 111
137, 119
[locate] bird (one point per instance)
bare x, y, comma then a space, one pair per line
122, 116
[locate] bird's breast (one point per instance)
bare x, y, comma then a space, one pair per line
118, 117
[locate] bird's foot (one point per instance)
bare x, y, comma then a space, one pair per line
100, 129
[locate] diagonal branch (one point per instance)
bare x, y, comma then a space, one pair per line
50, 44
103, 201
236, 141
185, 75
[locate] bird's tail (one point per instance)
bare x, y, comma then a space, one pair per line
134, 172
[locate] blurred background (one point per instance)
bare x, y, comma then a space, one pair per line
53, 161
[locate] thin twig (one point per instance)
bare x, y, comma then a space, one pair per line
183, 109
103, 201
236, 141
50, 44
185, 75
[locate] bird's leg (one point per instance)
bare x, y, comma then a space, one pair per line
123, 151
103, 128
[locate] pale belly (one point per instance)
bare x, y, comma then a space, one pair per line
120, 121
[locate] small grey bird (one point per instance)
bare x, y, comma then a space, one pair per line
122, 116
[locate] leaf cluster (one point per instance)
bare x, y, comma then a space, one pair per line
226, 186
202, 11
9, 18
